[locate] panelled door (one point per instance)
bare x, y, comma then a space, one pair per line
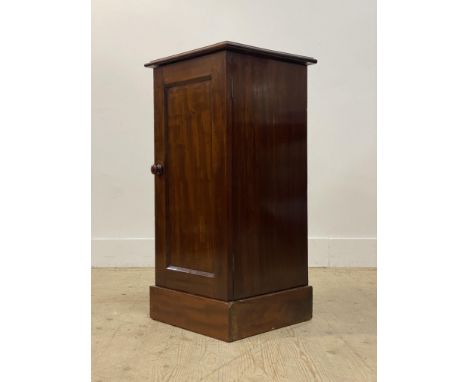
192, 176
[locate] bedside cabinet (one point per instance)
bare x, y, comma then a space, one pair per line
230, 170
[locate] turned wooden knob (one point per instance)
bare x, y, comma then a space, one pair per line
157, 169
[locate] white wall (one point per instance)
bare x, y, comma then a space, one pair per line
341, 113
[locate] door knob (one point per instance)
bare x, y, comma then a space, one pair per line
157, 169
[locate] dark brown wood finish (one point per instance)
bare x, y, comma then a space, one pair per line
196, 313
269, 196
231, 190
191, 201
231, 321
266, 312
232, 47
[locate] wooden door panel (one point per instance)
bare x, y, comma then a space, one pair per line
191, 200
189, 182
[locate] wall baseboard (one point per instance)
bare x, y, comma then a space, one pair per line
323, 252
342, 252
122, 252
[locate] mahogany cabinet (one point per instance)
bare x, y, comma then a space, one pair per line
231, 190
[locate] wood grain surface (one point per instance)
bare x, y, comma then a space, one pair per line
191, 198
233, 47
269, 170
233, 320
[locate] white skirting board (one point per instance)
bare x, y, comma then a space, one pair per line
342, 252
122, 252
323, 252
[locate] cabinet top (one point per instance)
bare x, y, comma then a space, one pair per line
235, 47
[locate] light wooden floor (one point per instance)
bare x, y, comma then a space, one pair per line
338, 344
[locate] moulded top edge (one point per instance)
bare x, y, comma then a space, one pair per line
236, 47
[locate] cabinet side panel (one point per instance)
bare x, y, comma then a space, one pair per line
269, 174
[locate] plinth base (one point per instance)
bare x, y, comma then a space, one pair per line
231, 320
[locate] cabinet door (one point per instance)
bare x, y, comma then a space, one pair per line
192, 209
